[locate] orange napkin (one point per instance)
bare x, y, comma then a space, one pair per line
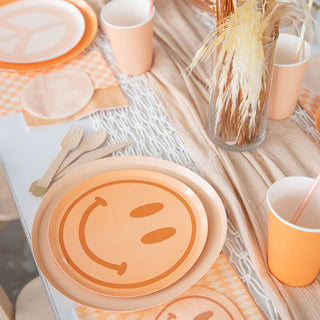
221, 277
91, 62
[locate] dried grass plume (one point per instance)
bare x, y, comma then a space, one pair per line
239, 77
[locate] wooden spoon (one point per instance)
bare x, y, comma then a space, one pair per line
90, 142
93, 155
69, 142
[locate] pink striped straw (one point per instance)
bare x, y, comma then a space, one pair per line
306, 199
150, 8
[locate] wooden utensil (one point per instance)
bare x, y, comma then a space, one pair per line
69, 142
88, 143
93, 155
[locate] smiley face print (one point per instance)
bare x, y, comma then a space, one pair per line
128, 232
198, 303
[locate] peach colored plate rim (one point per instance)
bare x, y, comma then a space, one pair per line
217, 230
201, 229
91, 28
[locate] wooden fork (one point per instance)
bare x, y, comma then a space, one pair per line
69, 142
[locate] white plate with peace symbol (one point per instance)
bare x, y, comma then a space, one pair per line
38, 30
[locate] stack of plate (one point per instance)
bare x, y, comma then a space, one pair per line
128, 233
36, 34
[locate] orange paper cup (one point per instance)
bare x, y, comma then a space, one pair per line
130, 31
293, 250
287, 76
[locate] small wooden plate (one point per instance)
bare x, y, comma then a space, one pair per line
128, 232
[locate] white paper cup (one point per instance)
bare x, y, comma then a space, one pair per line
130, 31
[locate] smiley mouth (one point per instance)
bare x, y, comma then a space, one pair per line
120, 268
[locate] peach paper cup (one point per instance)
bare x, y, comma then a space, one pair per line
293, 250
287, 76
130, 31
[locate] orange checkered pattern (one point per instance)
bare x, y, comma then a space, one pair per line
221, 277
91, 62
310, 101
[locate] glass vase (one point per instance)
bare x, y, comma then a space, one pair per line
231, 128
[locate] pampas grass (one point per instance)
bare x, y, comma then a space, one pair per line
241, 43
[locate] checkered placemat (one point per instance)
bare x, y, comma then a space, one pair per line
310, 101
221, 277
91, 62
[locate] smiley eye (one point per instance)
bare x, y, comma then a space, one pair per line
204, 316
158, 235
146, 210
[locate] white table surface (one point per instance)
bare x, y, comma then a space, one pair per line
26, 156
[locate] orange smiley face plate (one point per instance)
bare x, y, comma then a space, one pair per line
128, 232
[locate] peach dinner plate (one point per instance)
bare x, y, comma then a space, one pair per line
73, 25
128, 232
60, 280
